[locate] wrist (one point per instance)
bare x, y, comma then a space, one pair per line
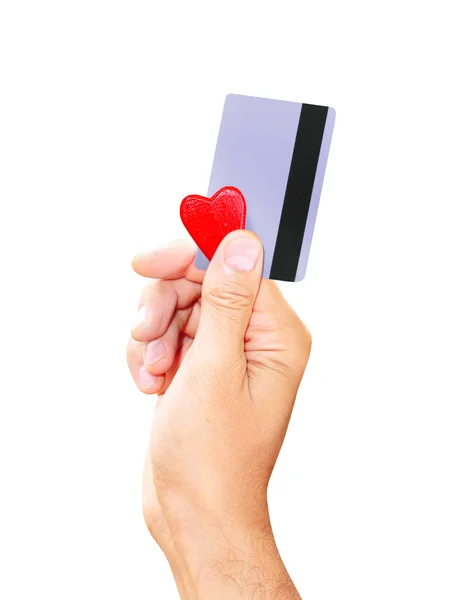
228, 555
223, 555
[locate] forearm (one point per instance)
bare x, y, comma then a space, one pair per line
217, 558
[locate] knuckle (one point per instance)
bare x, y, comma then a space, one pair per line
228, 296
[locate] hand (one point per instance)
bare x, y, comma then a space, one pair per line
225, 353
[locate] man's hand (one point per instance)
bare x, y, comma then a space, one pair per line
225, 353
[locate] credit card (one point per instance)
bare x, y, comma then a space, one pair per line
275, 152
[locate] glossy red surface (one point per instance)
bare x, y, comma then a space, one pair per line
209, 220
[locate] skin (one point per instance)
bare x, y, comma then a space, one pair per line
225, 354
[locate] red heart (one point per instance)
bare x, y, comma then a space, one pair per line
209, 220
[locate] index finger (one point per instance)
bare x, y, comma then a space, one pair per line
173, 261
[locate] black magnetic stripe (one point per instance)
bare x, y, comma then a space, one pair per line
299, 189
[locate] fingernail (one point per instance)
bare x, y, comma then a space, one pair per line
146, 380
242, 254
139, 317
154, 352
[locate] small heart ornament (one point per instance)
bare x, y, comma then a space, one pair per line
209, 220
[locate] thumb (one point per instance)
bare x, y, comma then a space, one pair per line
229, 291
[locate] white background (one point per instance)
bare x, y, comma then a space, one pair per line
109, 114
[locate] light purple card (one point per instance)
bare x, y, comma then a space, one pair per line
276, 153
